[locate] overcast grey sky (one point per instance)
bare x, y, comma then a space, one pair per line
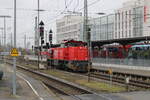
26, 13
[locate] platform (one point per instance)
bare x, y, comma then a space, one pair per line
27, 87
145, 71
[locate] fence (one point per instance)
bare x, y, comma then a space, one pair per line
128, 62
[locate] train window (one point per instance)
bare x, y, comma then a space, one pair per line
138, 48
145, 48
62, 45
75, 44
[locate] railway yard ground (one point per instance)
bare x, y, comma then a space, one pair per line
103, 88
81, 79
27, 87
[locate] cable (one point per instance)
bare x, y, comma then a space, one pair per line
90, 4
60, 13
65, 4
52, 20
76, 5
30, 10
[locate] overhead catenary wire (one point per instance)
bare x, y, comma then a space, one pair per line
89, 5
60, 13
76, 5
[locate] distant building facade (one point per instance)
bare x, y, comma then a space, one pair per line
102, 28
132, 19
68, 27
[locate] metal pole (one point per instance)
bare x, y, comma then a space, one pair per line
87, 37
35, 38
14, 58
50, 43
41, 49
38, 31
25, 43
0, 40
110, 79
4, 32
1, 37
11, 41
46, 36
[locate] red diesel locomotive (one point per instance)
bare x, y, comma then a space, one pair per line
70, 55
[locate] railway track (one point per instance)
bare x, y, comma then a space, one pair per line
135, 80
61, 86
120, 78
58, 85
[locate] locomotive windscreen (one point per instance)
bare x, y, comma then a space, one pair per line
73, 43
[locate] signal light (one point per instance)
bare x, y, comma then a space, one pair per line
50, 37
89, 33
42, 31
42, 41
47, 45
42, 38
32, 47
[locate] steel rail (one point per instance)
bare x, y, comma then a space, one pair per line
84, 91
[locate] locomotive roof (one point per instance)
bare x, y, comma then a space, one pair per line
73, 41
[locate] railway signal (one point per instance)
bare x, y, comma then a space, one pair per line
42, 41
41, 27
50, 36
47, 45
50, 41
89, 32
42, 31
32, 48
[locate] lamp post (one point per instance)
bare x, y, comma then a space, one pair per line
5, 16
1, 36
89, 45
25, 43
14, 58
38, 21
38, 17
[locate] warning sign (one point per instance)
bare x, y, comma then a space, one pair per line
110, 71
14, 52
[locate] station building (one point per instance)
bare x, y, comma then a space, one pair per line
130, 21
102, 28
68, 27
